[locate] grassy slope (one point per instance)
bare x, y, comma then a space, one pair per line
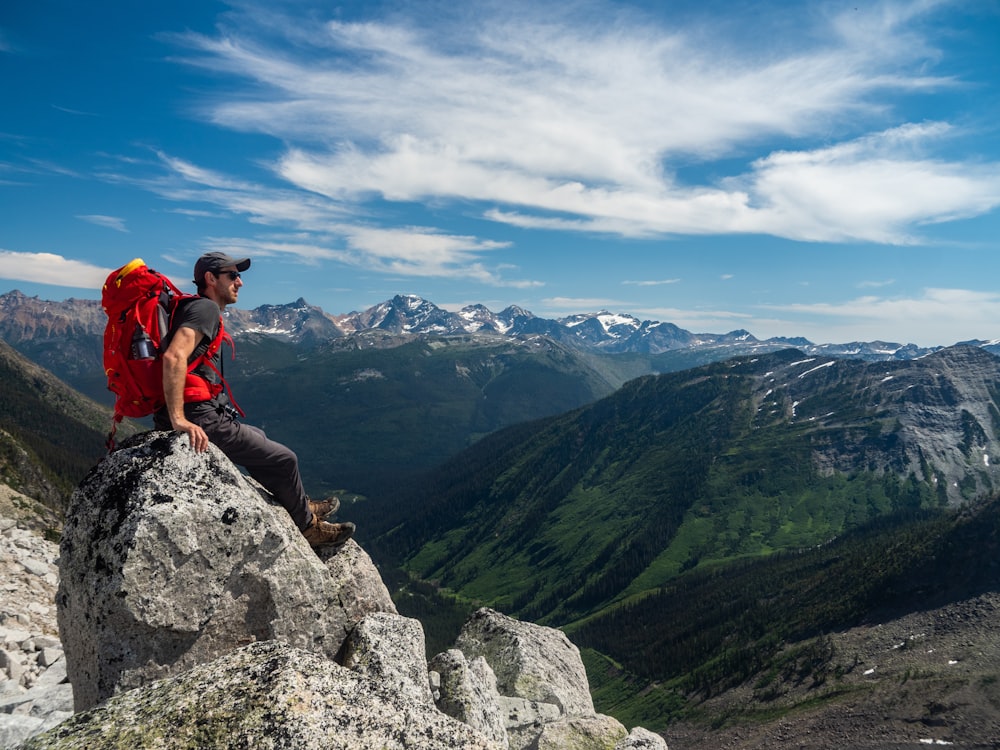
557, 520
52, 435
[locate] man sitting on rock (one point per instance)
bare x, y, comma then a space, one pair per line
193, 409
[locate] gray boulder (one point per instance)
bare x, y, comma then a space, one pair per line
264, 696
578, 732
521, 712
389, 649
467, 691
642, 739
530, 661
541, 694
171, 558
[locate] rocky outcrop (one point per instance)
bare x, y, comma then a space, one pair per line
467, 690
193, 614
931, 419
390, 650
531, 662
264, 696
171, 558
529, 677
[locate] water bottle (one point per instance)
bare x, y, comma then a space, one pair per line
142, 344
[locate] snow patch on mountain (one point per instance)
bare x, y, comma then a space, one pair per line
275, 330
817, 367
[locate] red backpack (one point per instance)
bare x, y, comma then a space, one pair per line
140, 304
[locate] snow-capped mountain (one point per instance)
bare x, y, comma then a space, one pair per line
300, 320
33, 323
403, 314
613, 333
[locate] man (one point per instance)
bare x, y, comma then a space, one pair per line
198, 405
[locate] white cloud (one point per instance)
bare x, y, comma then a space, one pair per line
555, 121
417, 251
111, 222
407, 251
869, 189
69, 111
660, 282
928, 319
48, 268
198, 214
311, 228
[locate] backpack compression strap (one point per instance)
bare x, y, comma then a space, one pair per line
197, 388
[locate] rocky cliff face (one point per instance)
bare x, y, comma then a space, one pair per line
936, 418
60, 336
193, 614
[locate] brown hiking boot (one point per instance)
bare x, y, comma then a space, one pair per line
323, 508
323, 534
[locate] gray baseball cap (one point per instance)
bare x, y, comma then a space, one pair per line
216, 261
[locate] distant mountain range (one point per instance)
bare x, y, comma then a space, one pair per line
603, 331
30, 319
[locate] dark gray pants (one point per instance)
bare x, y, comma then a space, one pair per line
272, 464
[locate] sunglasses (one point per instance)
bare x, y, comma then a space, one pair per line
234, 275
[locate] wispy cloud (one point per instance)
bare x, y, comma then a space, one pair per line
48, 268
661, 282
111, 222
311, 228
555, 121
69, 111
195, 213
875, 188
926, 319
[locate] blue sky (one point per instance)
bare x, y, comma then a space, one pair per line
823, 169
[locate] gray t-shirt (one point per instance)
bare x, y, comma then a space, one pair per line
202, 315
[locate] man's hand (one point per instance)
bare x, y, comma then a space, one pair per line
197, 436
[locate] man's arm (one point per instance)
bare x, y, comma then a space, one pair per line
175, 364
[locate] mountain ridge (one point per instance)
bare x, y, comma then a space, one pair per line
24, 319
50, 435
